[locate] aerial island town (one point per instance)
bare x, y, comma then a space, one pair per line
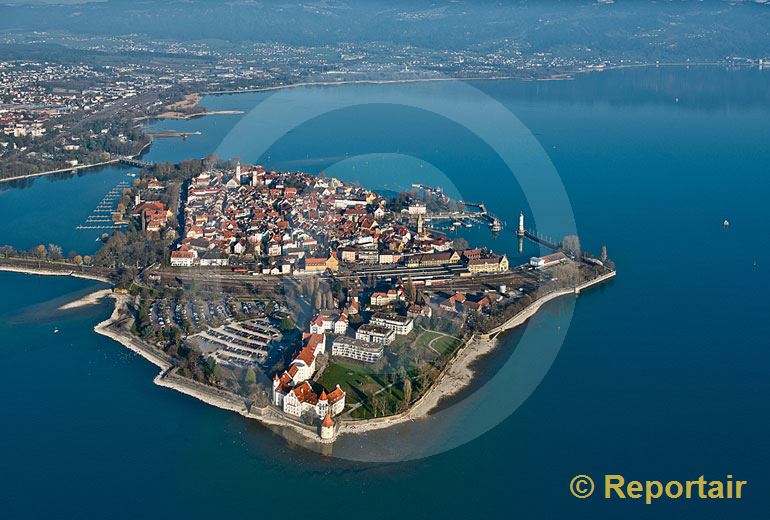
304, 301
311, 300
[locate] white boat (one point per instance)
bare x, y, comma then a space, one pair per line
56, 330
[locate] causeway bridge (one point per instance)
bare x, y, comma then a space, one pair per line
137, 163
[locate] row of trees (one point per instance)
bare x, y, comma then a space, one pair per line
41, 252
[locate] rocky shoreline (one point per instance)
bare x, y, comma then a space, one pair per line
213, 396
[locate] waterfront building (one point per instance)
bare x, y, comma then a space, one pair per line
293, 393
418, 208
302, 400
541, 262
327, 427
357, 349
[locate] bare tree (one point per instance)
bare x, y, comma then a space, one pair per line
55, 252
40, 253
460, 244
409, 290
407, 391
571, 244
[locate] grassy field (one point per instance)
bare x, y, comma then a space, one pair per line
361, 381
436, 343
357, 380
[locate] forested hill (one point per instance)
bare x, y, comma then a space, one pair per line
667, 31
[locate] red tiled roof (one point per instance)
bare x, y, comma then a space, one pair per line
335, 395
305, 394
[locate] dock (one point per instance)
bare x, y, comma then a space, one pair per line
101, 216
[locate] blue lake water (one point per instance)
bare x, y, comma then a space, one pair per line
662, 374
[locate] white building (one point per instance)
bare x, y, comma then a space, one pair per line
357, 349
401, 325
417, 208
214, 258
329, 322
292, 392
302, 400
375, 334
540, 262
182, 258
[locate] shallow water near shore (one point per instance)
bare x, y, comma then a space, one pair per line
662, 375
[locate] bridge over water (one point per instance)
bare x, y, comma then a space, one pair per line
137, 163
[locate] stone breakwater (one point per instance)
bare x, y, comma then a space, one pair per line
114, 328
47, 271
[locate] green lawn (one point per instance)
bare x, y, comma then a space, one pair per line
433, 341
359, 383
357, 380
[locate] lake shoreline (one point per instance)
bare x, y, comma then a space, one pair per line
41, 271
560, 76
456, 375
297, 433
459, 371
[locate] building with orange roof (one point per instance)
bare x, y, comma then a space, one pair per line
293, 393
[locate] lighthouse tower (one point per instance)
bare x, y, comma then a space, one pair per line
520, 232
327, 428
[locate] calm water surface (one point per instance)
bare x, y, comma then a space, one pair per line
662, 375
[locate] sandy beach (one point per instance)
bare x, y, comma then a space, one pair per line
459, 373
89, 299
179, 110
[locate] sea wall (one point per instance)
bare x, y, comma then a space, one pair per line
52, 270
